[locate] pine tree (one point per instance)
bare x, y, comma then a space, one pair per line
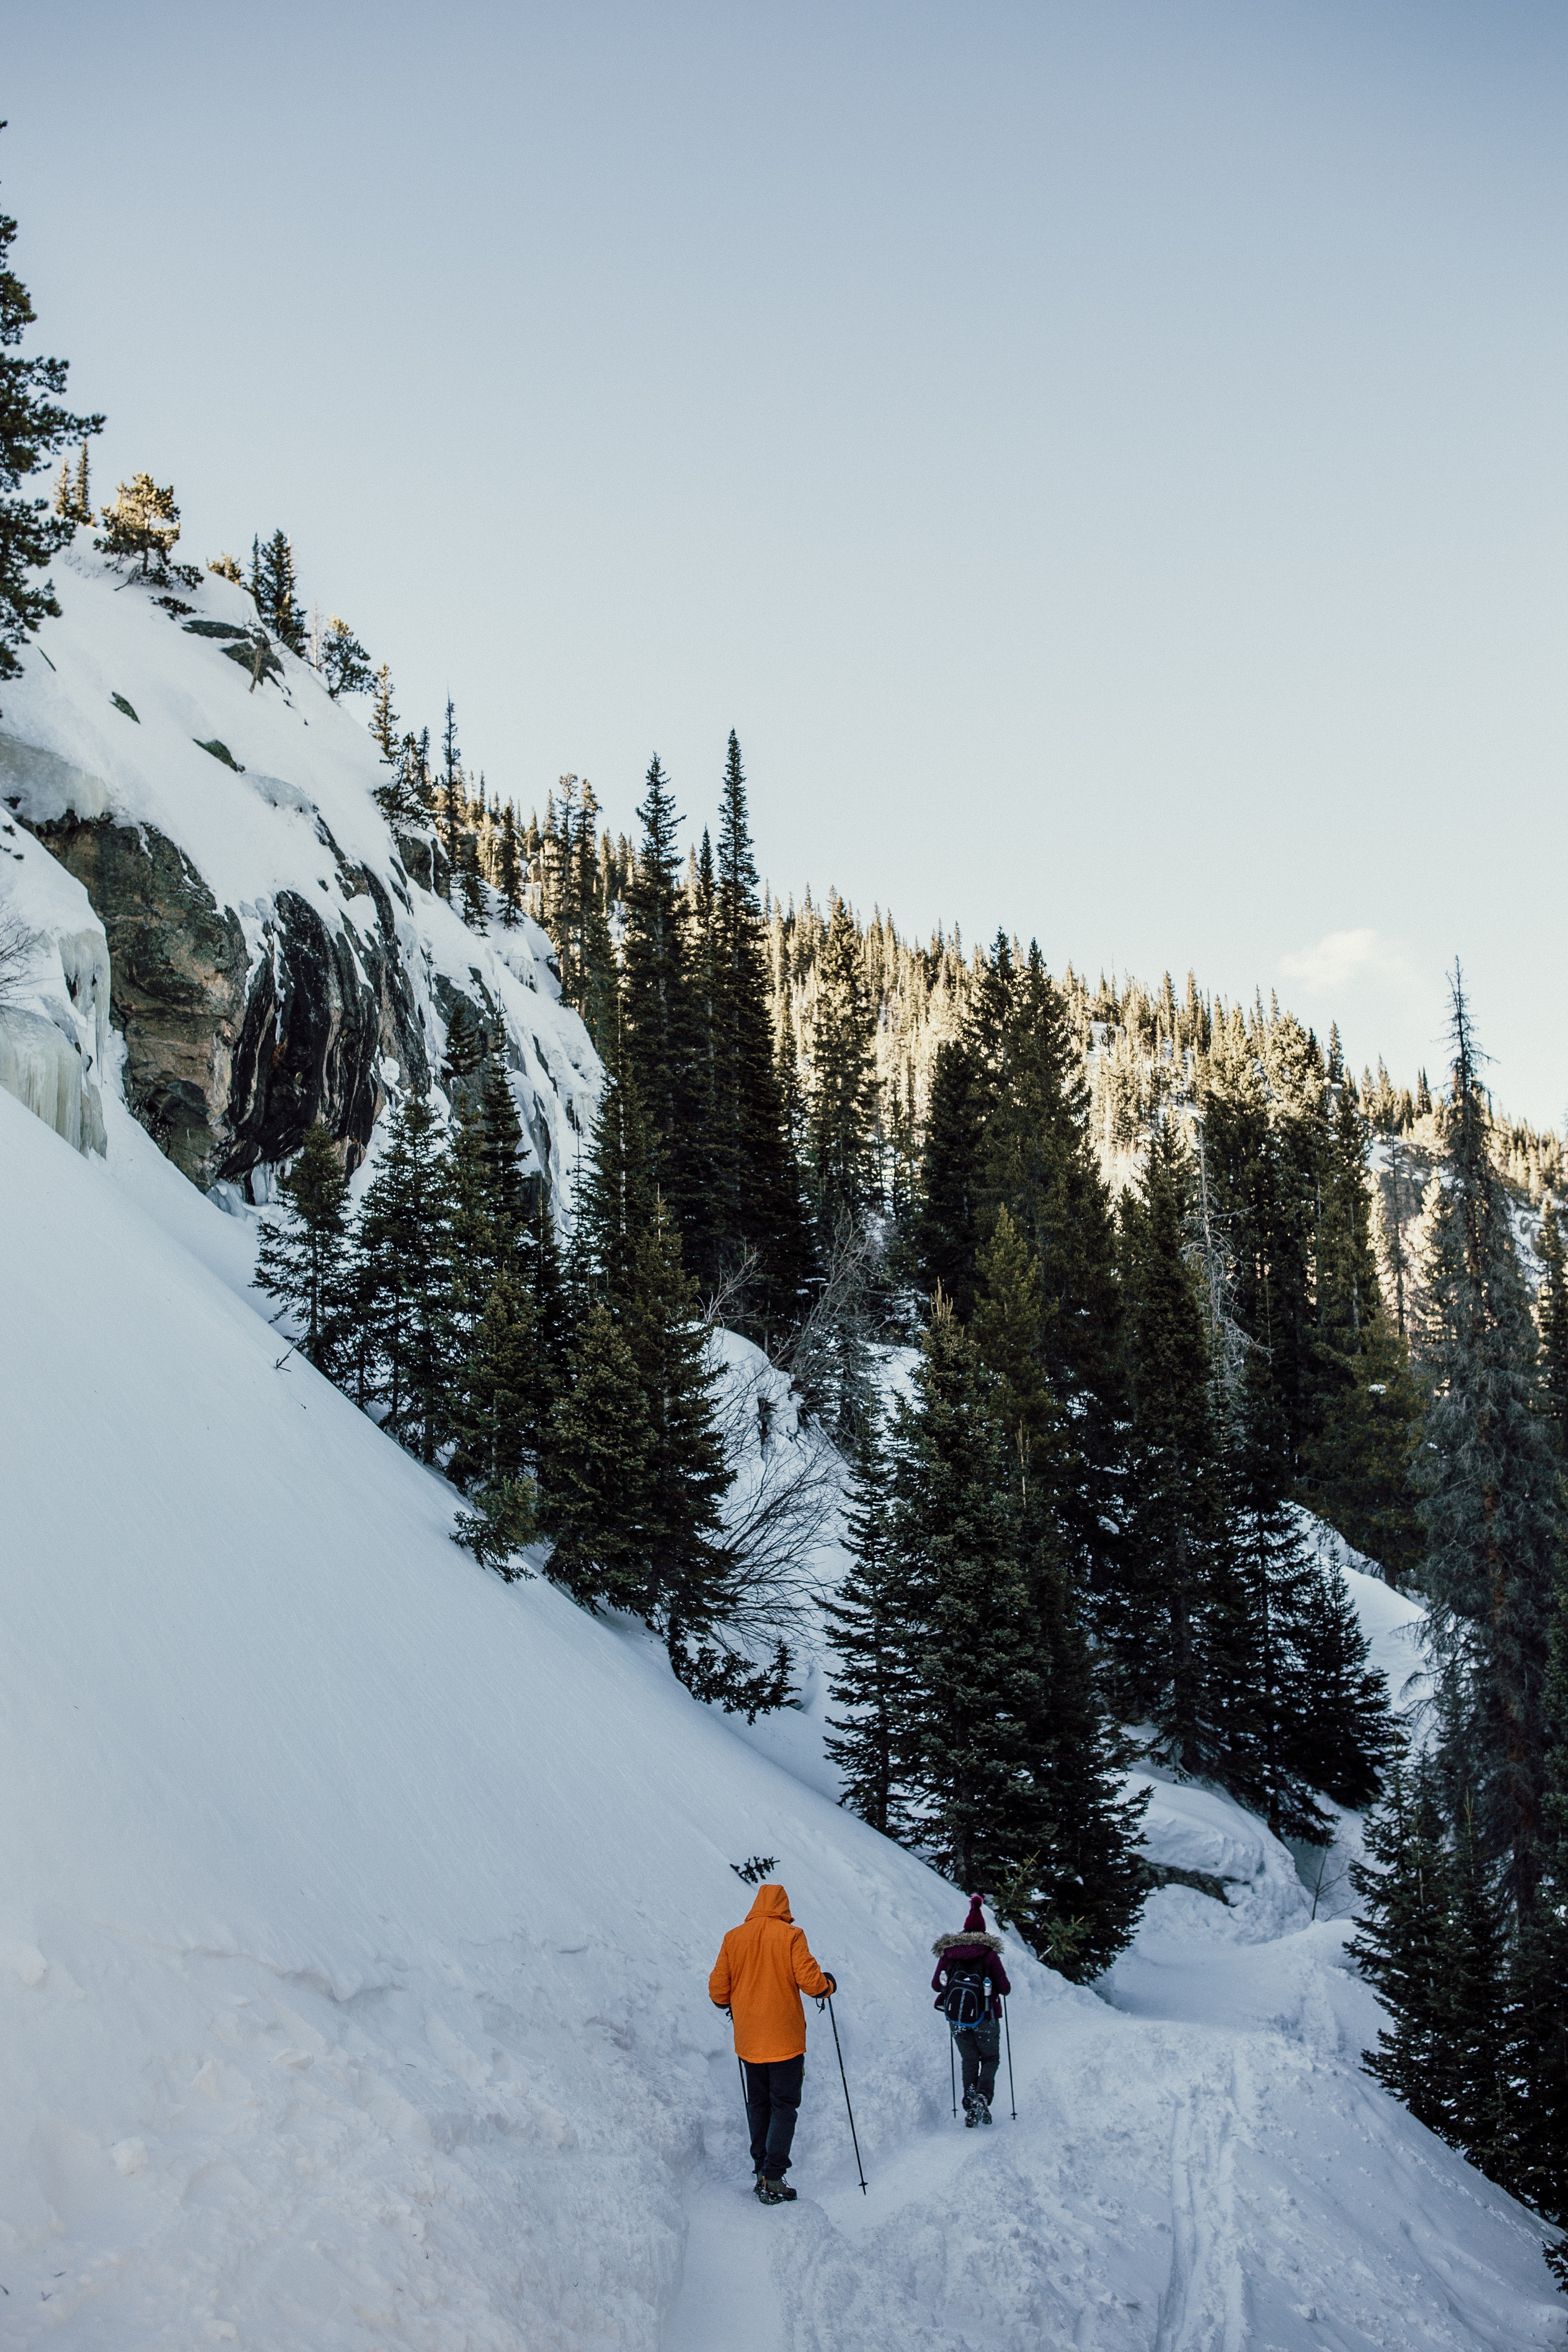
1041, 1166
32, 427
1363, 1423
1401, 1943
868, 1680
508, 873
275, 589
1492, 1510
81, 498
945, 1236
1538, 2169
1341, 1732
343, 662
757, 1208
1552, 1311
466, 1046
405, 1253
1078, 1904
841, 1101
141, 520
470, 882
1474, 2064
1007, 1326
1166, 1631
597, 1453
974, 1744
658, 1011
301, 1261
384, 718
1266, 1702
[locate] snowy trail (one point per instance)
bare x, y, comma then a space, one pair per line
357, 1914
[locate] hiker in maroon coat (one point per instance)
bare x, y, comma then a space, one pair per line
973, 1959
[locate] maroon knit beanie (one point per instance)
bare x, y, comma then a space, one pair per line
975, 1923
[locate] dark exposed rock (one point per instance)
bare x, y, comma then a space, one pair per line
1170, 1874
227, 1069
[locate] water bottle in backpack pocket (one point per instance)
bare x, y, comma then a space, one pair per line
967, 2000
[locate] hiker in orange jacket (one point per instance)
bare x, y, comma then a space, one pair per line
763, 1967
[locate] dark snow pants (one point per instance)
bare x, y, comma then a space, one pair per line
979, 2048
772, 2106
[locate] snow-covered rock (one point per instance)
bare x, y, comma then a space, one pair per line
273, 960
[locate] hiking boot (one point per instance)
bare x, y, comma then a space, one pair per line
983, 2103
972, 2104
774, 2192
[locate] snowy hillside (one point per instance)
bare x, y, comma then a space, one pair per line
356, 1910
274, 958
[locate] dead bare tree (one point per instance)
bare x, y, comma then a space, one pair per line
17, 943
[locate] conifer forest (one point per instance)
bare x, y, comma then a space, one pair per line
1171, 1284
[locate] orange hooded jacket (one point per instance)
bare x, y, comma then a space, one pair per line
763, 1967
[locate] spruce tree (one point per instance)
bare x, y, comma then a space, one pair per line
1007, 1327
1402, 1939
470, 881
141, 520
1539, 2153
508, 872
1492, 1510
945, 1228
405, 1253
869, 1676
1552, 1309
841, 1099
976, 1746
1166, 1629
1340, 1732
597, 1452
757, 1209
384, 718
343, 662
1264, 1699
301, 1262
661, 1045
275, 589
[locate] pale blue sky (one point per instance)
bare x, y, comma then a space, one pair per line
1107, 462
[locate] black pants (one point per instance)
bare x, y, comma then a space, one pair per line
979, 2048
773, 2104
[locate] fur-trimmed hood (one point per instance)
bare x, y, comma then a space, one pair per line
973, 1939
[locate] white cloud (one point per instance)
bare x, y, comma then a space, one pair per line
1348, 962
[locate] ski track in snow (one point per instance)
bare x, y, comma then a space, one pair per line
356, 1911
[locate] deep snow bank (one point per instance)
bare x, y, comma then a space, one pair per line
355, 1913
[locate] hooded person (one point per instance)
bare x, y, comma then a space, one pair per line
763, 1967
969, 1984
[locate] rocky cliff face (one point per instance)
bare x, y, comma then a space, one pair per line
277, 956
229, 1058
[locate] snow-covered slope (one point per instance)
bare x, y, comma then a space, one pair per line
356, 1910
273, 957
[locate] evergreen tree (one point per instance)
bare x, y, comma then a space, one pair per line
1264, 1699
1538, 2169
945, 1237
343, 662
1551, 1309
1475, 2056
756, 1208
384, 718
1007, 1325
869, 1676
1041, 1166
275, 589
509, 871
598, 1449
1402, 1938
403, 797
141, 520
81, 494
841, 1102
1342, 1732
465, 1046
1363, 1420
32, 427
975, 1747
658, 1010
301, 1261
405, 1252
1492, 1512
1168, 1632
470, 882
495, 1395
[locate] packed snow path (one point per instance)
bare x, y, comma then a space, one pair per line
356, 1912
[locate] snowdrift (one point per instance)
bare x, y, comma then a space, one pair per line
356, 1911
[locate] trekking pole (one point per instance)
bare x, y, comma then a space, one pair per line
951, 2076
745, 2102
847, 2108
1011, 2095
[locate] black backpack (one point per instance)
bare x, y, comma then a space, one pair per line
967, 2000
